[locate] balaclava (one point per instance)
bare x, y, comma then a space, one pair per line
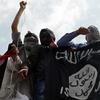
29, 41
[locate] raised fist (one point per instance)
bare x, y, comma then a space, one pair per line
23, 4
83, 31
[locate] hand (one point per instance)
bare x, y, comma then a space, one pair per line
53, 45
23, 73
23, 5
83, 31
14, 49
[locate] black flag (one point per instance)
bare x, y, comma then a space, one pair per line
73, 74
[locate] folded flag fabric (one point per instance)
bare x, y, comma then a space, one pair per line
73, 74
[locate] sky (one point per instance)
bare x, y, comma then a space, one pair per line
61, 16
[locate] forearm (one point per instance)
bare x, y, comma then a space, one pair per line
64, 41
16, 21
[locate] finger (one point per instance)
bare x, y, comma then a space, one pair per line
25, 73
24, 3
19, 71
20, 74
23, 76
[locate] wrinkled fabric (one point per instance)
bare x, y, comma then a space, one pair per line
24, 87
10, 85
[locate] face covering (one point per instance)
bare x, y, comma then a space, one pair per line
29, 42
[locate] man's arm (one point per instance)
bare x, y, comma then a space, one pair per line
15, 22
67, 38
16, 37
